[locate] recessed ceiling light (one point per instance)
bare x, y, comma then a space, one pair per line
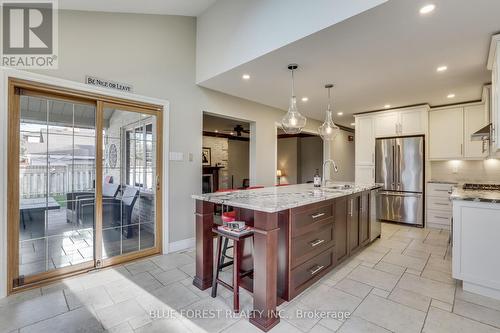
353, 124
451, 96
442, 68
305, 99
427, 9
340, 113
387, 106
246, 77
232, 133
216, 131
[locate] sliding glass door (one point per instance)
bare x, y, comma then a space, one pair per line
84, 183
56, 184
130, 146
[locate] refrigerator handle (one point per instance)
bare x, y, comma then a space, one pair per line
398, 153
393, 167
399, 165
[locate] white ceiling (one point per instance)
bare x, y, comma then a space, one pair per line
387, 55
162, 7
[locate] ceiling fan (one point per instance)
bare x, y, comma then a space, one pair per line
238, 129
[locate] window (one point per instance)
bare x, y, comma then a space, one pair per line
139, 156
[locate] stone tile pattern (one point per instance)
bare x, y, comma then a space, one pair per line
400, 283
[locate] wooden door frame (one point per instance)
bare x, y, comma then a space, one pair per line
157, 249
41, 85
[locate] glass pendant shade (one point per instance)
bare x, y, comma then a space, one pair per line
293, 122
328, 130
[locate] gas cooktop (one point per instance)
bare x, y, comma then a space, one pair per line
482, 187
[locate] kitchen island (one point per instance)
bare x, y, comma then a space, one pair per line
476, 234
300, 234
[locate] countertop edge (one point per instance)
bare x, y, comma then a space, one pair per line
458, 194
312, 200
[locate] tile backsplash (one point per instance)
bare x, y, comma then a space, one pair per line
466, 171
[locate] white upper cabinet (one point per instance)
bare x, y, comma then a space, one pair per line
474, 119
365, 141
386, 124
398, 122
446, 134
412, 121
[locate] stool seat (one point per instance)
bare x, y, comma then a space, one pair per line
229, 216
237, 275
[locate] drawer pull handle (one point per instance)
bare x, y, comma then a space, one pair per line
316, 269
442, 218
315, 216
317, 242
441, 204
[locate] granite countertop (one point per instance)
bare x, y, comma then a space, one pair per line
278, 198
459, 193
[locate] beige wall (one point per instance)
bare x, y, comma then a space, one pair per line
288, 159
299, 159
467, 171
239, 161
342, 152
156, 54
311, 158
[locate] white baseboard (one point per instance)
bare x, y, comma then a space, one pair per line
181, 245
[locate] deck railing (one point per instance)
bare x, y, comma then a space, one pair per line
35, 181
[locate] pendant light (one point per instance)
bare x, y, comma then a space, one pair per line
328, 131
293, 122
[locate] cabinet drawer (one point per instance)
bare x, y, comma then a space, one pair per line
310, 244
309, 272
439, 217
439, 203
307, 220
439, 190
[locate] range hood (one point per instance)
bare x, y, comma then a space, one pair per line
482, 134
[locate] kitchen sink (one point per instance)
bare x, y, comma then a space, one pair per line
339, 187
333, 190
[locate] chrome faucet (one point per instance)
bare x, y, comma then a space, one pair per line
335, 168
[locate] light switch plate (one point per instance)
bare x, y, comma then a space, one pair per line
176, 156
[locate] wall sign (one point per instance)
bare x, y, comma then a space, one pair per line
95, 81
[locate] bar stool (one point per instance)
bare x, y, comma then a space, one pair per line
237, 275
229, 216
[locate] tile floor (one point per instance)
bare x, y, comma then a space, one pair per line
57, 243
400, 283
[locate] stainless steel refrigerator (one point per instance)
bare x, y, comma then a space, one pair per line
399, 166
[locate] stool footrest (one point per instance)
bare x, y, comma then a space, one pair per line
226, 264
225, 284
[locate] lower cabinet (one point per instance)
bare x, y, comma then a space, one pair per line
364, 218
353, 215
353, 222
341, 247
315, 238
